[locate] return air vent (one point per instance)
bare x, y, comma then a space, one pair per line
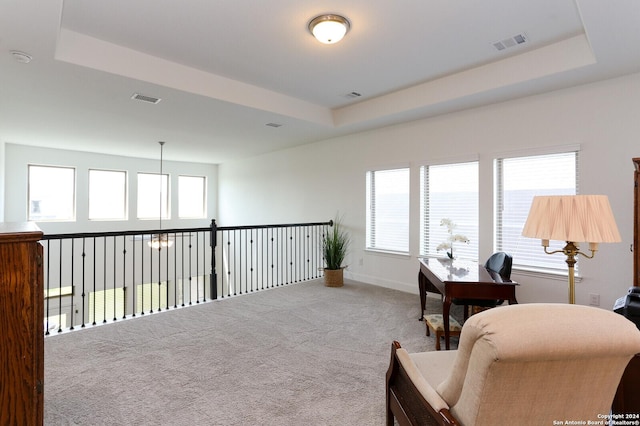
516, 40
144, 98
352, 95
276, 125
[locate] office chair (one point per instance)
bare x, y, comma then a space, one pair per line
499, 266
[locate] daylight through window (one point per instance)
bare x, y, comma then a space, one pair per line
51, 193
191, 197
449, 191
107, 195
153, 196
518, 180
388, 210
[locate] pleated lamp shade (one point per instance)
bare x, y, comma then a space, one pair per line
575, 218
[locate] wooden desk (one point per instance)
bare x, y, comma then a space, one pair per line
460, 279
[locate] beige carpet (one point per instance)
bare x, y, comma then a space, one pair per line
304, 354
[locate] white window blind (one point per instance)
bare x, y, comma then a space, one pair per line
388, 210
449, 191
518, 180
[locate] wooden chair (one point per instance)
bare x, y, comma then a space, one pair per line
525, 364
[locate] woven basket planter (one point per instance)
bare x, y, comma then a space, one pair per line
334, 277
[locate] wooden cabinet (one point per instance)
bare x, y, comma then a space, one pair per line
627, 399
21, 319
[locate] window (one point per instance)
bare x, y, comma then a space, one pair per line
51, 193
449, 191
191, 197
388, 210
153, 196
518, 180
107, 195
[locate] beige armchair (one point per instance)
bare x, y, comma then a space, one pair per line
518, 364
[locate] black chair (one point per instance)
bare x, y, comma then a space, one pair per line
499, 263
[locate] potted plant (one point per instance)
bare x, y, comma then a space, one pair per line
334, 250
452, 238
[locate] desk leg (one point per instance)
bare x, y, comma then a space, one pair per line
422, 288
445, 317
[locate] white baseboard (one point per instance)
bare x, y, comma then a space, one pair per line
395, 285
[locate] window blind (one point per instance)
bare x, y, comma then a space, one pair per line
518, 180
449, 191
388, 210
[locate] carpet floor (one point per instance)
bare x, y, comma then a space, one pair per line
303, 354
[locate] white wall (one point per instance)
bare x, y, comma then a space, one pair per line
2, 180
314, 181
18, 157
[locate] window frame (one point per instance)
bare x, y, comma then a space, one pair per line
552, 266
204, 197
166, 213
72, 217
125, 205
371, 236
428, 247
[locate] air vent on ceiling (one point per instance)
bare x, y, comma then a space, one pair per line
21, 57
352, 95
144, 98
276, 125
516, 40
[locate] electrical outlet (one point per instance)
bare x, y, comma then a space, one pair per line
594, 299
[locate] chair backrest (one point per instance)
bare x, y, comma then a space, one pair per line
538, 363
500, 262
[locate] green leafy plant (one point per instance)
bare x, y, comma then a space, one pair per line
334, 246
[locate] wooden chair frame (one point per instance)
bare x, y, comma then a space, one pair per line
404, 401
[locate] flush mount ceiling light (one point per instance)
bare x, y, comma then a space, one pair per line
329, 29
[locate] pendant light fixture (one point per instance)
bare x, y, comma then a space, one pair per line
329, 28
160, 240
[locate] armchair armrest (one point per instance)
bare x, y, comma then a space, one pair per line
432, 397
410, 397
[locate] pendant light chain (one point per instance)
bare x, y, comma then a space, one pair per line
161, 178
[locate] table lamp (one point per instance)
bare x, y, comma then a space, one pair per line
574, 219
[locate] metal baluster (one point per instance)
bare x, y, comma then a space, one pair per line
84, 279
104, 280
134, 306
73, 286
115, 301
197, 268
124, 277
190, 269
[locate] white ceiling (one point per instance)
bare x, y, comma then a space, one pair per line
225, 69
